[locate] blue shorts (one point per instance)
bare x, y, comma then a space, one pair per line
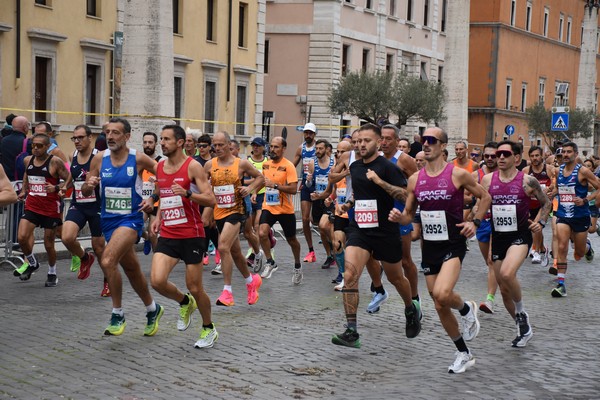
484, 232
260, 198
306, 191
406, 229
248, 204
81, 216
132, 221
594, 213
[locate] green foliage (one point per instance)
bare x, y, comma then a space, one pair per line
581, 123
373, 96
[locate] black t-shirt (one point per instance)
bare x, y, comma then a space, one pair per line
364, 189
415, 147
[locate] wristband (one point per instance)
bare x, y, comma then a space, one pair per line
542, 223
154, 197
188, 194
57, 188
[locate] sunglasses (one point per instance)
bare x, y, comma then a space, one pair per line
77, 138
490, 156
430, 140
202, 146
474, 154
37, 145
503, 153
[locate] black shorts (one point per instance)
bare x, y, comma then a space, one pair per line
232, 219
287, 222
83, 216
577, 225
383, 248
260, 198
319, 209
436, 253
340, 223
501, 242
188, 250
533, 213
41, 221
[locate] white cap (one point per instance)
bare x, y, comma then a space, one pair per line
310, 127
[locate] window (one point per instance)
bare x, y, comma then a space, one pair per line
92, 8
542, 91
569, 26
389, 63
523, 97
426, 12
210, 20
43, 84
210, 106
424, 71
240, 110
242, 25
561, 24
392, 7
368, 4
266, 61
177, 16
44, 2
178, 94
92, 93
528, 17
409, 10
440, 74
596, 101
365, 60
546, 18
508, 94
345, 55
513, 11
444, 14
561, 94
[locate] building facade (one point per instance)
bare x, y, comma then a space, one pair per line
311, 44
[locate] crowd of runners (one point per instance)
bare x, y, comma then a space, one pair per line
369, 199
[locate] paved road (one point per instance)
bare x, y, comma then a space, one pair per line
52, 343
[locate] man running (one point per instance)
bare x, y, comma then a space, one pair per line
438, 190
511, 192
182, 185
42, 207
225, 172
150, 140
371, 233
120, 171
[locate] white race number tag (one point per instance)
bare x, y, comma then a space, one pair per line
117, 200
435, 227
37, 185
365, 213
79, 197
272, 197
172, 210
566, 195
225, 196
505, 217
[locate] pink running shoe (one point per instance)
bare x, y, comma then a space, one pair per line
217, 257
205, 259
310, 257
253, 289
226, 298
272, 238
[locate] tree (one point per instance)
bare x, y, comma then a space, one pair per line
373, 96
581, 123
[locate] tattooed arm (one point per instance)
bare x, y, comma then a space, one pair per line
397, 192
532, 188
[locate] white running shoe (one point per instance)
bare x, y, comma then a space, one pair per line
470, 322
536, 258
268, 271
339, 287
464, 361
298, 276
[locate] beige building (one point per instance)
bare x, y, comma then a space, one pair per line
310, 45
60, 58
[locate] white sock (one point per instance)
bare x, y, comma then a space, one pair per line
518, 306
151, 307
249, 279
118, 311
228, 288
52, 270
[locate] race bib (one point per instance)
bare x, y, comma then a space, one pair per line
117, 200
79, 197
435, 227
147, 189
172, 211
272, 197
321, 182
365, 213
37, 186
305, 163
504, 218
341, 195
225, 196
566, 195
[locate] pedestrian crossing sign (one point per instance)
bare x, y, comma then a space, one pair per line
560, 122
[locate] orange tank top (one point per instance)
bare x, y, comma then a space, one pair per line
226, 182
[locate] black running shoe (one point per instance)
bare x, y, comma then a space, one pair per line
413, 325
52, 280
329, 261
29, 271
350, 338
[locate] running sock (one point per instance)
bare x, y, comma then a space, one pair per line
118, 311
228, 288
270, 261
561, 278
311, 249
85, 256
52, 270
460, 344
372, 287
297, 266
379, 289
151, 307
518, 306
416, 298
248, 280
491, 297
464, 310
31, 259
209, 326
339, 259
185, 301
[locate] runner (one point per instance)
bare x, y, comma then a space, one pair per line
340, 220
226, 172
573, 214
182, 182
83, 209
370, 233
437, 189
120, 170
150, 140
511, 192
281, 184
42, 206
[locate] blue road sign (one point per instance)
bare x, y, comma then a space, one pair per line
300, 128
509, 130
560, 122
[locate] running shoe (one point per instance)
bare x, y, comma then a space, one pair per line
553, 270
338, 288
208, 337
253, 289
216, 270
589, 256
225, 299
536, 258
258, 261
464, 360
51, 281
350, 338
185, 313
310, 257
338, 278
329, 261
205, 260
105, 290
250, 258
417, 304
211, 248
524, 331
298, 276
376, 302
559, 291
272, 238
28, 272
84, 271
147, 247
544, 259
487, 307
21, 269
217, 257
75, 263
269, 269
470, 322
116, 326
153, 318
413, 325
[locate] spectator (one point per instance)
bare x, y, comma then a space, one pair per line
416, 146
8, 127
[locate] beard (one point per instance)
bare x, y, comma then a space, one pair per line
148, 151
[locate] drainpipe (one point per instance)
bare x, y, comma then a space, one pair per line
18, 49
229, 51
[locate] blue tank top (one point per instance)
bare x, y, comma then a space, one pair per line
308, 155
321, 175
121, 188
569, 187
